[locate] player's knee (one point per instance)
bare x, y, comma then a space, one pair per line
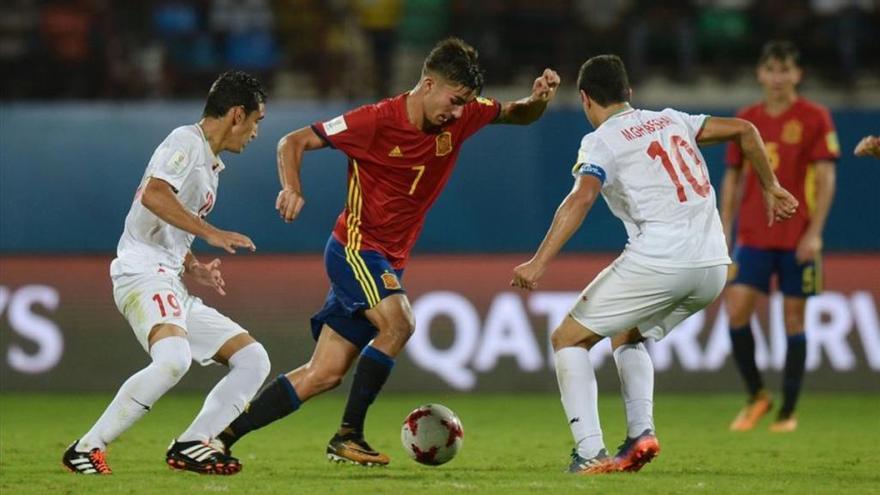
174, 364
738, 311
258, 360
794, 323
407, 328
738, 314
323, 380
401, 329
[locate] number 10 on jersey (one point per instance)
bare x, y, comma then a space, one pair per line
702, 188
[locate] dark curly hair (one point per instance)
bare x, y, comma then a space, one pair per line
781, 50
455, 61
604, 79
234, 88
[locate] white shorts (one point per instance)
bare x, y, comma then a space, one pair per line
629, 294
150, 299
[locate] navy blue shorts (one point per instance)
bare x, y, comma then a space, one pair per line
755, 267
358, 281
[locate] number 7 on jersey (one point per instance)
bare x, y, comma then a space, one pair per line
420, 169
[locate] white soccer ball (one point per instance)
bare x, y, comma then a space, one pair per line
432, 434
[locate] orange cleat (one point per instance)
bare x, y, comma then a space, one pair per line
748, 417
601, 464
636, 452
786, 425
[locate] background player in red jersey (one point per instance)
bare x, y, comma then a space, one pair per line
400, 152
802, 145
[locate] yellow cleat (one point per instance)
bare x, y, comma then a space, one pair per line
353, 449
749, 416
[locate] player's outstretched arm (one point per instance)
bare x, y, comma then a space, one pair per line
868, 146
780, 204
730, 191
529, 109
290, 154
568, 218
160, 199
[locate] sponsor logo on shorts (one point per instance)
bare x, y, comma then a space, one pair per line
390, 281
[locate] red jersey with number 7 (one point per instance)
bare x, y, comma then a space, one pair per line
795, 140
395, 171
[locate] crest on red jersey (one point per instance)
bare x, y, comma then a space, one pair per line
792, 132
390, 281
444, 143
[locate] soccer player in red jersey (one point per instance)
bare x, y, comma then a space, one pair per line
802, 145
400, 152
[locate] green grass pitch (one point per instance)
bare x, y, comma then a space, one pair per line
513, 444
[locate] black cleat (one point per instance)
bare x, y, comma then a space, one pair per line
200, 457
352, 448
91, 462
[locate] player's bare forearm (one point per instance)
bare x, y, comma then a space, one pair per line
160, 199
826, 183
290, 154
522, 112
730, 189
743, 133
568, 219
753, 149
291, 147
527, 110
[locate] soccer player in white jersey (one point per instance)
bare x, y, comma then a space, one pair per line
653, 177
178, 190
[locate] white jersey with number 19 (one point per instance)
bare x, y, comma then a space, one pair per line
655, 180
186, 162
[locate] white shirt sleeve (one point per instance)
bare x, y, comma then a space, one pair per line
594, 158
175, 158
693, 123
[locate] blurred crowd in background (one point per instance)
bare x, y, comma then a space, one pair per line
85, 49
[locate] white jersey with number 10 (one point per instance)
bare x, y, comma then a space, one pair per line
655, 180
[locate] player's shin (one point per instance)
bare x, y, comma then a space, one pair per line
637, 386
372, 372
579, 390
277, 400
743, 342
171, 360
795, 360
248, 369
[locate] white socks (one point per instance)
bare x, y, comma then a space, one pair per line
171, 360
577, 385
248, 369
637, 387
